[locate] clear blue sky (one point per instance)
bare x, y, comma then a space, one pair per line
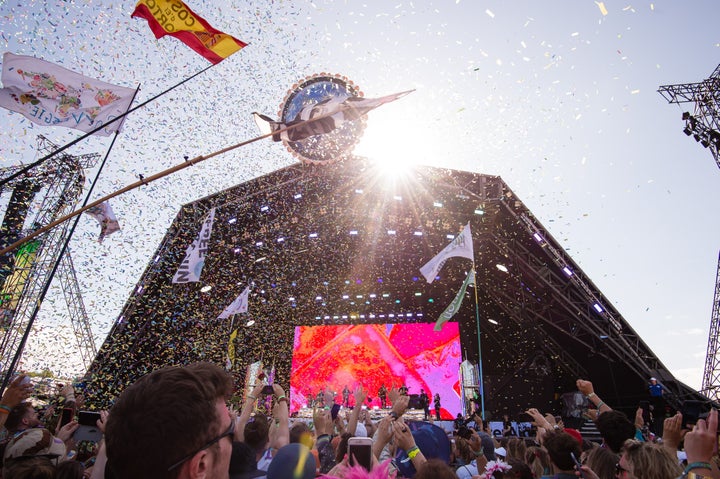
556, 97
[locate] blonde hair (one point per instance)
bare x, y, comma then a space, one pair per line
516, 449
650, 461
539, 461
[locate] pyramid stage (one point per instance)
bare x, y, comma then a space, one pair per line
342, 244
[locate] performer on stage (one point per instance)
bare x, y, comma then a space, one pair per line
382, 394
437, 406
425, 403
346, 396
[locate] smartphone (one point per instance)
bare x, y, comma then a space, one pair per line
577, 464
360, 452
267, 390
88, 430
68, 414
691, 411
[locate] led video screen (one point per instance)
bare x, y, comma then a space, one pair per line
373, 355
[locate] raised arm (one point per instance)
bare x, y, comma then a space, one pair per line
360, 396
586, 387
281, 415
19, 390
246, 411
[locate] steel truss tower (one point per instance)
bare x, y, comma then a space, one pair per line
711, 377
47, 192
704, 122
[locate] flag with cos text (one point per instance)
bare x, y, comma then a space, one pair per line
173, 17
104, 215
240, 305
48, 94
191, 267
461, 246
455, 305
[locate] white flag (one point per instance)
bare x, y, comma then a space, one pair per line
240, 305
191, 267
334, 110
104, 215
48, 94
461, 246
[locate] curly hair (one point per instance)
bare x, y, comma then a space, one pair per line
615, 428
648, 460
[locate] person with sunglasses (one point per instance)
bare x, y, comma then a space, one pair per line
172, 423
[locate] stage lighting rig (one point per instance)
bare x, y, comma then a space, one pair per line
703, 124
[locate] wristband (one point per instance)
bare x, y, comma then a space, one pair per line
590, 395
692, 475
599, 405
282, 398
5, 409
696, 465
393, 415
412, 452
252, 397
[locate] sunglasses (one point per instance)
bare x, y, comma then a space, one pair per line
229, 432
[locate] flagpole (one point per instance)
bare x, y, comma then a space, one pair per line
480, 368
13, 364
164, 173
80, 138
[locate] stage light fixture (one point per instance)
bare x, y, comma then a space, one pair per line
418, 294
313, 235
492, 321
386, 295
450, 236
537, 237
397, 198
687, 130
345, 296
359, 191
205, 288
567, 271
437, 204
686, 115
598, 308
392, 232
260, 259
417, 233
250, 323
705, 142
297, 196
318, 298
259, 243
264, 208
373, 295
697, 137
479, 211
291, 298
501, 267
353, 232
232, 221
280, 239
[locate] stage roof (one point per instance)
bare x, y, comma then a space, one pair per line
343, 243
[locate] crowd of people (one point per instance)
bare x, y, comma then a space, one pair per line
175, 422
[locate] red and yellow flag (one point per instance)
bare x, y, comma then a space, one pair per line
173, 17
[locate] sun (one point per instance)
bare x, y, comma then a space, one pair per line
391, 141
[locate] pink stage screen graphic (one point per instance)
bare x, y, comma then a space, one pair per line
374, 354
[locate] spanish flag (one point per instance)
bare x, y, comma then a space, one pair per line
173, 17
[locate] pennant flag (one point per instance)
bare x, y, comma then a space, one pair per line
230, 359
461, 246
191, 267
103, 213
335, 112
173, 17
240, 305
455, 305
48, 94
